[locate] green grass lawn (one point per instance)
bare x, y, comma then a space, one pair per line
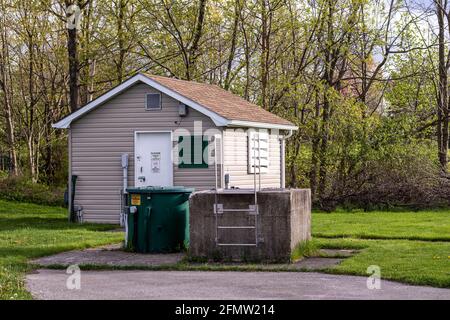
389, 240
29, 231
412, 247
422, 225
414, 262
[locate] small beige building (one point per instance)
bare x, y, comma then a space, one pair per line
157, 131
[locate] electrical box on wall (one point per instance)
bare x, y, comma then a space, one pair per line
182, 110
124, 161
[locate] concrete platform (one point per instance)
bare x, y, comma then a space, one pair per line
199, 285
240, 233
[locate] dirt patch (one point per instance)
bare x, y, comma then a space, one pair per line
337, 253
109, 256
317, 263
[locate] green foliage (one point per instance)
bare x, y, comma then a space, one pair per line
390, 241
3, 175
304, 249
30, 231
414, 262
421, 225
24, 190
366, 117
373, 162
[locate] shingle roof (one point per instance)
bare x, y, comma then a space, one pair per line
220, 101
223, 107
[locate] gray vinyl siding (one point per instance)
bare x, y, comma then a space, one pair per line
235, 144
100, 137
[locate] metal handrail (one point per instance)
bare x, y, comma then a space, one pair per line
218, 209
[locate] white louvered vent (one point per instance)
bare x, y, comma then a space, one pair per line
258, 151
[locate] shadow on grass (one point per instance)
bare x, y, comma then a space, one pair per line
53, 224
379, 237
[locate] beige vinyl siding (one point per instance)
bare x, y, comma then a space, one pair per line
235, 144
99, 138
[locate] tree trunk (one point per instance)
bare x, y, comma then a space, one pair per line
264, 54
195, 40
85, 60
237, 10
442, 104
72, 51
328, 83
31, 107
73, 68
323, 151
10, 130
315, 151
121, 40
7, 105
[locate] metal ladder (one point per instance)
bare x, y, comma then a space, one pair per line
253, 209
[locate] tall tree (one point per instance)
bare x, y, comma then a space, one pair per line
443, 18
5, 87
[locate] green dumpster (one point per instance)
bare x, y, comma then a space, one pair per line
158, 219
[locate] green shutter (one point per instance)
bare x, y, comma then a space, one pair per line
200, 163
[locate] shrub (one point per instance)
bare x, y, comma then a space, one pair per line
370, 163
403, 176
24, 190
304, 249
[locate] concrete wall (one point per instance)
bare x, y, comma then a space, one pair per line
284, 220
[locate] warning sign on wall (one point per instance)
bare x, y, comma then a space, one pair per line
156, 162
135, 199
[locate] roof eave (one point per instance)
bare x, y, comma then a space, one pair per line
217, 119
265, 125
65, 122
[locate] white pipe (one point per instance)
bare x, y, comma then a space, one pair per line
283, 158
125, 172
124, 192
215, 161
222, 167
125, 178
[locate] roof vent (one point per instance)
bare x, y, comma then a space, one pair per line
153, 101
182, 110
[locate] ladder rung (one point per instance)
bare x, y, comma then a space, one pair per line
238, 210
236, 227
236, 245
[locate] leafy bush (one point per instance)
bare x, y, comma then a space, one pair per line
405, 176
304, 249
373, 164
24, 190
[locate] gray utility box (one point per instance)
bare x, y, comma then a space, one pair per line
238, 231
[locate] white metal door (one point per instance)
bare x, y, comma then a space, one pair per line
153, 159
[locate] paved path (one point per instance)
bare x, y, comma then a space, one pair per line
51, 284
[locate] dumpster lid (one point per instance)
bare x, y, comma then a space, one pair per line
153, 189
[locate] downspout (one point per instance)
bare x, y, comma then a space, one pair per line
73, 214
69, 178
124, 193
283, 158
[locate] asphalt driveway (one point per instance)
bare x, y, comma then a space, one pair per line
51, 284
